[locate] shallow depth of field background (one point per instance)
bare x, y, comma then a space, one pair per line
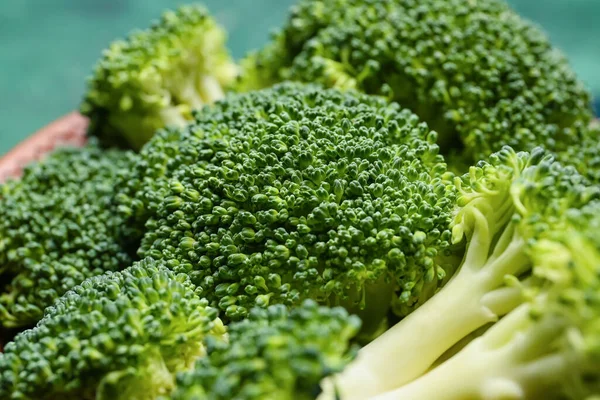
48, 47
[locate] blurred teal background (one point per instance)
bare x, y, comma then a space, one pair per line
48, 47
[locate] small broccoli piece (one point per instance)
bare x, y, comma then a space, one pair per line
156, 77
121, 335
547, 348
296, 192
585, 156
59, 226
274, 354
476, 72
507, 209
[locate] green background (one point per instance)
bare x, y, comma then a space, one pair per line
48, 47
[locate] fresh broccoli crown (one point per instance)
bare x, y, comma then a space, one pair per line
475, 71
274, 354
308, 193
156, 77
121, 335
58, 226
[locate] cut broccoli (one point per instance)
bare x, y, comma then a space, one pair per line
274, 354
121, 335
156, 77
508, 209
476, 72
298, 192
549, 347
59, 226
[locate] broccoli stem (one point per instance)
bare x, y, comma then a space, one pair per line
514, 359
173, 116
189, 91
210, 89
147, 382
473, 297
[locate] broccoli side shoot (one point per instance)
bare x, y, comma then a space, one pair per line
308, 193
121, 335
274, 354
547, 348
156, 77
59, 226
476, 72
505, 211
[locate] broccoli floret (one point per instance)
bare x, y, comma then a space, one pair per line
476, 72
121, 335
586, 155
59, 226
156, 77
508, 209
301, 192
547, 348
274, 354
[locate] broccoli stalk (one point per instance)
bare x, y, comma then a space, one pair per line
495, 214
516, 359
546, 348
157, 77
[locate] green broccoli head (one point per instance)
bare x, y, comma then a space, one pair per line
59, 226
301, 192
156, 77
475, 71
274, 354
121, 335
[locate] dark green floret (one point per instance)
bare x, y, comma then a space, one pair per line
59, 226
475, 71
122, 335
156, 77
301, 192
274, 354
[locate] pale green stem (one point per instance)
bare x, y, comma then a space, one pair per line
409, 348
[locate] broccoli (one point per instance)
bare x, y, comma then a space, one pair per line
509, 209
476, 72
121, 335
547, 348
585, 156
156, 77
296, 192
59, 226
274, 354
